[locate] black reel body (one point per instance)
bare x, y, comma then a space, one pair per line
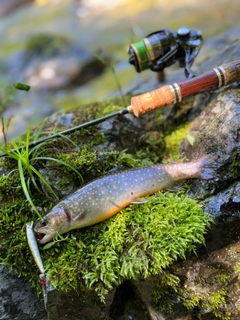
163, 48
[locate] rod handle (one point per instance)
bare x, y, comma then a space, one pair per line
169, 94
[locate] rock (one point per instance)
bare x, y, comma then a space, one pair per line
17, 299
214, 136
74, 306
215, 280
227, 54
128, 303
216, 132
226, 204
217, 45
120, 132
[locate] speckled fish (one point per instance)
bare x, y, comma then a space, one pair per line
104, 197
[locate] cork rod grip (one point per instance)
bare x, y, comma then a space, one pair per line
169, 94
151, 100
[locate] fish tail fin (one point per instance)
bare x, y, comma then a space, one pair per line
208, 167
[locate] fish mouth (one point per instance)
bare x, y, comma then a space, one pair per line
44, 234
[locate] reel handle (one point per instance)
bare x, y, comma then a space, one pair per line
169, 94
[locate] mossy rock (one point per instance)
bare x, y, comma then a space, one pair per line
140, 241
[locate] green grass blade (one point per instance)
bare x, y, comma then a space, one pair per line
68, 139
35, 184
43, 180
10, 154
62, 163
25, 189
39, 132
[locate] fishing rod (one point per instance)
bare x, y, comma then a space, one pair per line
169, 94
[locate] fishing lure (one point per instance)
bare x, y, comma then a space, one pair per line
33, 246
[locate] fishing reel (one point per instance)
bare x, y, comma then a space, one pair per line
163, 48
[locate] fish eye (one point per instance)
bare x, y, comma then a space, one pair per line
44, 222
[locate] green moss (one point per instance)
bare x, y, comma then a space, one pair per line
211, 294
173, 140
217, 302
234, 167
10, 187
166, 285
214, 301
238, 269
193, 302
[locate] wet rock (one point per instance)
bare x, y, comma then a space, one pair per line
120, 133
17, 299
215, 280
216, 132
74, 306
214, 136
226, 204
62, 118
53, 177
128, 304
43, 63
209, 287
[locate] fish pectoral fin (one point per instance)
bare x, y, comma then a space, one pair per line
80, 216
139, 201
175, 188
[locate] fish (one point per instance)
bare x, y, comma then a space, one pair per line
104, 197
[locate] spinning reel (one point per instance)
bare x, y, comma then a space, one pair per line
163, 48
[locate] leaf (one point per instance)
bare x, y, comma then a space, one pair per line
49, 245
190, 139
21, 86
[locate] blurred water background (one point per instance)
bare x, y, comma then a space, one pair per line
56, 46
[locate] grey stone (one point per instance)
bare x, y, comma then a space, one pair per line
18, 301
225, 55
216, 133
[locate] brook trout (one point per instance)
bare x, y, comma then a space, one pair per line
104, 197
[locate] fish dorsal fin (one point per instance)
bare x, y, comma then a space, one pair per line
117, 169
139, 201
